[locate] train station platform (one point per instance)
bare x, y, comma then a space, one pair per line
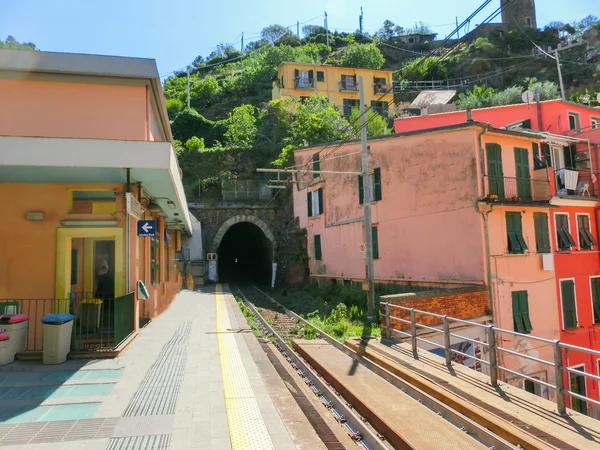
194, 378
507, 410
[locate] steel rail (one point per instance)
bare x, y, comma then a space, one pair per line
471, 427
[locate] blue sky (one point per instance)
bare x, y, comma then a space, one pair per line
174, 32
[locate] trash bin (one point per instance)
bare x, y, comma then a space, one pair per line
56, 337
6, 354
16, 326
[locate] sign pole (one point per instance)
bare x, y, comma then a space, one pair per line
366, 204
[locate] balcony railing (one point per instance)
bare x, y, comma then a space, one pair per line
304, 83
580, 183
348, 86
517, 190
380, 88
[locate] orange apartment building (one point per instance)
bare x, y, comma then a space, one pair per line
85, 153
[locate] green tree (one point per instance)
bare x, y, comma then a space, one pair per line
430, 68
478, 97
387, 31
174, 107
376, 123
13, 44
362, 55
274, 33
194, 144
548, 89
241, 127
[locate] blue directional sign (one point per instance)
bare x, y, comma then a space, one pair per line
146, 228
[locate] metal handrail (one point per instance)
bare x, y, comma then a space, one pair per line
557, 363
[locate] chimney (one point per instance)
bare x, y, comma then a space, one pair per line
469, 115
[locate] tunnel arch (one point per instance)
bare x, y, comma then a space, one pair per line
245, 246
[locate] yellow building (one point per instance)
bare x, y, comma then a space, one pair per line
339, 84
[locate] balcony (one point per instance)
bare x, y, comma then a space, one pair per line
518, 190
304, 83
380, 88
348, 85
576, 183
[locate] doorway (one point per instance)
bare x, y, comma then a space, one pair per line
104, 274
577, 385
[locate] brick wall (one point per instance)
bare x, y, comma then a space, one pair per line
464, 303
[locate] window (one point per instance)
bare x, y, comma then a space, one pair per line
520, 307
282, 84
304, 79
154, 260
528, 21
380, 108
315, 202
318, 253
563, 235
380, 84
348, 83
523, 175
546, 155
320, 76
514, 229
350, 103
595, 287
567, 299
495, 172
93, 201
595, 123
586, 240
574, 122
316, 164
375, 187
375, 234
542, 236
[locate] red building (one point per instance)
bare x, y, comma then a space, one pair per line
570, 151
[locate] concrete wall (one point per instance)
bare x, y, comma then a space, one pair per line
72, 109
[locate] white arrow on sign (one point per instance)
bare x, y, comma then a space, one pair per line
147, 227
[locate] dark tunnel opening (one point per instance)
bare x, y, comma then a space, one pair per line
245, 255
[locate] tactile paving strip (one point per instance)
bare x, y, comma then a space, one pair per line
156, 442
158, 392
247, 428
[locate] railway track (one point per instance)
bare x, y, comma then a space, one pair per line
283, 325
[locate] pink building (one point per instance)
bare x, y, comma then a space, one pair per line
441, 219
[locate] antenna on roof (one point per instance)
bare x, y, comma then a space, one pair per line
527, 96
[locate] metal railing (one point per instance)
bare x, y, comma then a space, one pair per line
93, 326
305, 83
345, 86
380, 88
557, 363
517, 190
245, 191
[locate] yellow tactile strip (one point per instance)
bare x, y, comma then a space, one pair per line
247, 429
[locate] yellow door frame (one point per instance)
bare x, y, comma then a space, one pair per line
64, 238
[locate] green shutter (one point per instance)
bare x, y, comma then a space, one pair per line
375, 233
309, 202
523, 175
542, 236
546, 155
377, 183
311, 76
517, 314
524, 308
516, 242
526, 124
596, 298
316, 164
320, 194
318, 254
567, 289
361, 196
494, 169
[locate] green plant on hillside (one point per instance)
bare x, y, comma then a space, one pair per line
376, 123
362, 55
241, 127
11, 43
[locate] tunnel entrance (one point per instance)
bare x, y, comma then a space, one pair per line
245, 254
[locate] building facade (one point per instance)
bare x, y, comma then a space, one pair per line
85, 153
441, 219
339, 84
569, 150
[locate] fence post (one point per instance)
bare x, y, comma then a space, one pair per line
413, 330
491, 338
388, 322
559, 379
447, 352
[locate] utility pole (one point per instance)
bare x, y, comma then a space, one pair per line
188, 87
242, 46
326, 29
560, 78
366, 203
360, 21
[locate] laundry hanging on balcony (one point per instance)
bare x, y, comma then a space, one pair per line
569, 178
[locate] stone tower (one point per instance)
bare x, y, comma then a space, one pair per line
521, 12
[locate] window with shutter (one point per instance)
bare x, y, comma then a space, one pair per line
542, 235
563, 234
309, 203
514, 229
316, 164
595, 282
361, 196
375, 234
494, 170
377, 184
569, 310
520, 305
320, 199
586, 239
546, 156
318, 253
523, 175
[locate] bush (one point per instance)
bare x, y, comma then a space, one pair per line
339, 329
310, 333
